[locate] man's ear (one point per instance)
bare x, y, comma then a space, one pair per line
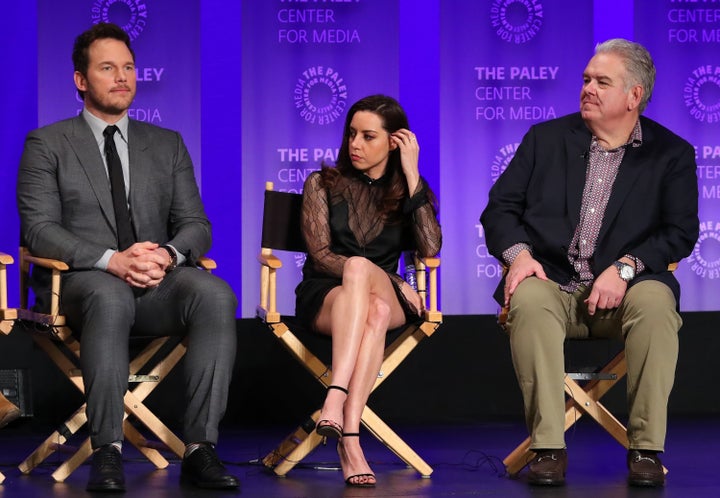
634, 97
80, 81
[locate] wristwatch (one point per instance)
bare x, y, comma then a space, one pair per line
626, 271
173, 258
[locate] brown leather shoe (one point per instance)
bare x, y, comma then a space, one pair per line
548, 468
645, 469
8, 411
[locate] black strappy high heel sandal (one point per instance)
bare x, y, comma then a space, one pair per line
330, 428
349, 480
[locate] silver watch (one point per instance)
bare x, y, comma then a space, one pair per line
626, 271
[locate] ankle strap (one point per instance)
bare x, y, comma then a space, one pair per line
338, 388
351, 434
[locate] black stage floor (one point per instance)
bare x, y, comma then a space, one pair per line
466, 460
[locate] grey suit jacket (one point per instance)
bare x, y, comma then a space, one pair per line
65, 204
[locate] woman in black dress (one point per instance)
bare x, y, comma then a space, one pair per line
357, 218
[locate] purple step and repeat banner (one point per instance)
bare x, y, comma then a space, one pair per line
304, 64
165, 36
684, 38
505, 65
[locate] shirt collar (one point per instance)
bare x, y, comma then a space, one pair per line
97, 125
635, 140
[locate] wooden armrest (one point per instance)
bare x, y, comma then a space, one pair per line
52, 264
270, 260
206, 263
6, 259
431, 262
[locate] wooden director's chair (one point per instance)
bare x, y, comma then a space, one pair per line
281, 231
7, 315
50, 332
584, 390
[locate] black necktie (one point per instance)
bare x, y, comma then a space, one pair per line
125, 235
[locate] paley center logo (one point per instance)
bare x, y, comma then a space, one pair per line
704, 260
130, 15
501, 160
320, 95
516, 21
701, 94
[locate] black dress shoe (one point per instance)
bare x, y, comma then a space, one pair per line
645, 468
106, 472
204, 469
548, 468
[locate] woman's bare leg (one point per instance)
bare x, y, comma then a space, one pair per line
357, 315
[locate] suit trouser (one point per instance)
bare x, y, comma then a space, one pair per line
188, 302
541, 316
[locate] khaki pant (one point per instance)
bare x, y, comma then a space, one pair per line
541, 316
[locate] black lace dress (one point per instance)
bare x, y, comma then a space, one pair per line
345, 222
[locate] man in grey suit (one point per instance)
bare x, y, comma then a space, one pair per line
127, 247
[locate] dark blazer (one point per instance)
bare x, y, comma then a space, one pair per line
64, 198
652, 213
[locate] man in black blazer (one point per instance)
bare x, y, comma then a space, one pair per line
588, 215
130, 242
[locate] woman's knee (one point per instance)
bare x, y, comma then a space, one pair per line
357, 269
379, 314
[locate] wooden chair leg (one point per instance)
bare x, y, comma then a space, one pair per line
133, 436
288, 445
296, 446
72, 463
389, 438
133, 404
581, 400
56, 441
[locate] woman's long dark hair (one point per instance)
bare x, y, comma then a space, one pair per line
393, 118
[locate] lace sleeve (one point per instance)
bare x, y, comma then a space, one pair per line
425, 226
316, 228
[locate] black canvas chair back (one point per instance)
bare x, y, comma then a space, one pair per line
281, 227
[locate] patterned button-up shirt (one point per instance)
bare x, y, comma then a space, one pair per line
602, 168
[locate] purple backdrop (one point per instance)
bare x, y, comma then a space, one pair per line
159, 30
303, 66
503, 68
455, 65
684, 38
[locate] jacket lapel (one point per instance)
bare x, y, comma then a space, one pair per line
577, 147
630, 168
86, 149
139, 179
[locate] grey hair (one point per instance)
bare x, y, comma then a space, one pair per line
638, 64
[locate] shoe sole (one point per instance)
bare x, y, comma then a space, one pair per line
645, 483
188, 481
546, 482
328, 431
106, 489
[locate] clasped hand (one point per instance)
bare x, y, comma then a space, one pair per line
142, 265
